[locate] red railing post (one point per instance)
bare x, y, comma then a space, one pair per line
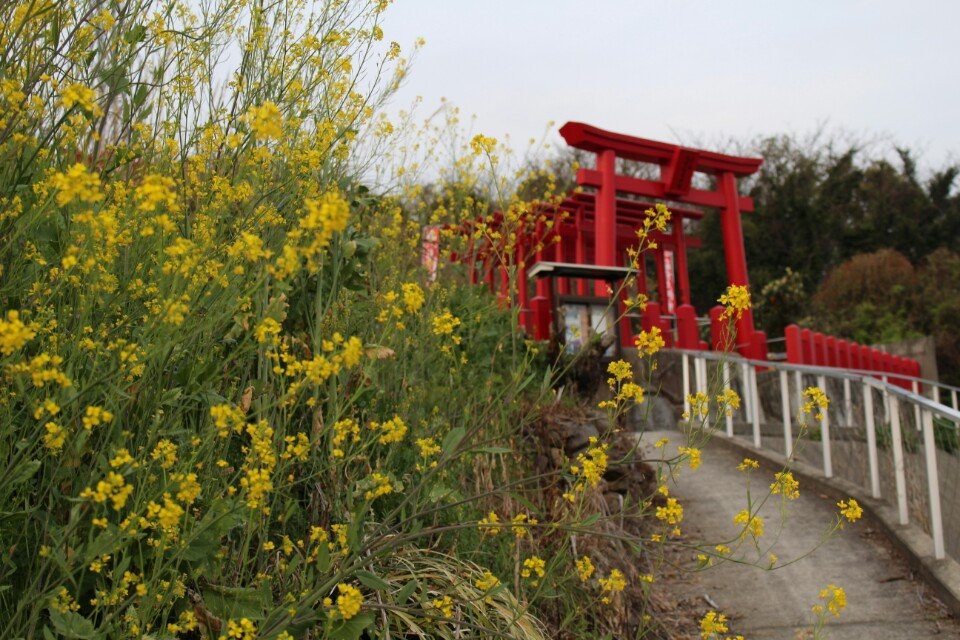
806, 343
819, 349
688, 337
758, 345
843, 354
794, 346
854, 355
866, 358
831, 345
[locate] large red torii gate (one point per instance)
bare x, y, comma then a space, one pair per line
587, 235
677, 166
596, 224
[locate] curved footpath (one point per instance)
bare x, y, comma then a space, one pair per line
883, 599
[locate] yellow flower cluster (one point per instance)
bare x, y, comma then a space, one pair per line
445, 324
533, 567
76, 184
80, 95
487, 583
834, 600
346, 430
589, 468
815, 398
54, 437
428, 448
14, 333
95, 416
728, 401
443, 605
521, 523
671, 512
649, 342
413, 297
391, 430
381, 486
614, 583
713, 623
489, 524
784, 484
227, 418
693, 455
265, 121
735, 301
752, 524
699, 405
850, 509
242, 629
585, 568
350, 601
114, 488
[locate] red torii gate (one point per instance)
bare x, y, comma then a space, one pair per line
593, 230
614, 201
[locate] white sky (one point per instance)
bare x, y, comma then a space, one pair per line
685, 71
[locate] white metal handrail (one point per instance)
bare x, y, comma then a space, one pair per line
924, 411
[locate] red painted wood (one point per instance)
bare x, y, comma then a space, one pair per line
590, 138
688, 335
831, 348
791, 334
843, 354
652, 189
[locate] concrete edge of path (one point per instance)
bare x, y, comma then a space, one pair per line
943, 576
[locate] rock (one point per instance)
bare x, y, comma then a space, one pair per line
579, 437
655, 414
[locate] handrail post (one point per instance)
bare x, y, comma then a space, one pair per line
747, 395
754, 393
871, 427
785, 407
686, 384
933, 485
898, 470
953, 398
916, 408
728, 413
886, 400
825, 433
847, 403
696, 374
702, 383
798, 382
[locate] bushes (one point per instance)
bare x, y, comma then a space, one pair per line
229, 408
882, 297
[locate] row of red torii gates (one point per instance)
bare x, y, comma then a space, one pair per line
587, 236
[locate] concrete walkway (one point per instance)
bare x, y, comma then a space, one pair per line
883, 600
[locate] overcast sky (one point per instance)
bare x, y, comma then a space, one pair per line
681, 70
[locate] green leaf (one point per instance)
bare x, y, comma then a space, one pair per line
322, 560
497, 450
71, 625
591, 520
405, 592
352, 628
453, 439
24, 472
237, 602
372, 581
218, 521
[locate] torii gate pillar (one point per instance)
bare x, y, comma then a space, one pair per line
606, 220
735, 255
